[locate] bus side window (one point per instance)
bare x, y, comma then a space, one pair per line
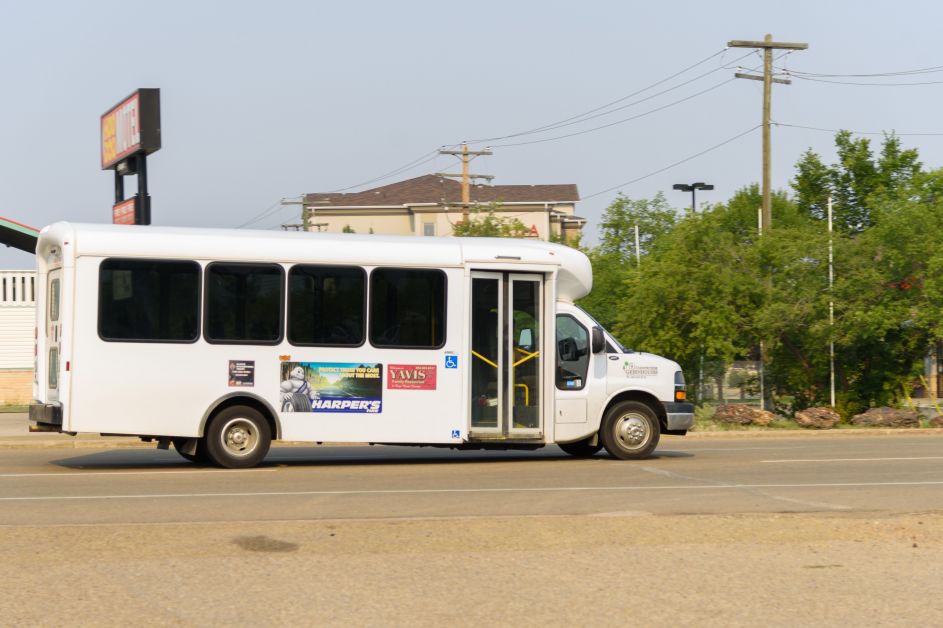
148, 300
244, 303
407, 308
327, 305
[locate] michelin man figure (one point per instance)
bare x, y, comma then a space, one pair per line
296, 392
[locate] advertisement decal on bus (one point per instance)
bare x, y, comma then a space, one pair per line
350, 387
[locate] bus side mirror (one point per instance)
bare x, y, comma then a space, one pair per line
599, 341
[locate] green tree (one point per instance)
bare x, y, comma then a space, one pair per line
486, 223
695, 295
654, 217
348, 229
857, 183
614, 259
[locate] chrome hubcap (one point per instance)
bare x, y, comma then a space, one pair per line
632, 431
239, 437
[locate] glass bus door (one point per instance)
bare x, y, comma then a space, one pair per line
505, 361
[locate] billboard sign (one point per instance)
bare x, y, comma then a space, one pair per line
130, 127
124, 212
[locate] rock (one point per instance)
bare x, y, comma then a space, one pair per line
887, 417
817, 418
937, 421
739, 414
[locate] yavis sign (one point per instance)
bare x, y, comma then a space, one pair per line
410, 376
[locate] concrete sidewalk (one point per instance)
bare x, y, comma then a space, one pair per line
15, 434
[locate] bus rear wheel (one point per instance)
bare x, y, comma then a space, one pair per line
238, 437
630, 430
197, 458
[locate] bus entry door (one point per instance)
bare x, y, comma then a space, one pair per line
506, 363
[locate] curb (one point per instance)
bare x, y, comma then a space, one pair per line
809, 433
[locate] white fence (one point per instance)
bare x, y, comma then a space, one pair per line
17, 318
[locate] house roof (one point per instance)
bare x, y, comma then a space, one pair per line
430, 188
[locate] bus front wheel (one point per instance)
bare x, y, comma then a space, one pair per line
630, 430
238, 437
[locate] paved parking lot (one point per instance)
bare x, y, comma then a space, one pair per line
814, 529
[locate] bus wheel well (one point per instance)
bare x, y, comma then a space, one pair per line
242, 400
643, 397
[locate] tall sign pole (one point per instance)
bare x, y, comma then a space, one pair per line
130, 131
767, 46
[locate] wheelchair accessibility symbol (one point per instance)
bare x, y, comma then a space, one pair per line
451, 361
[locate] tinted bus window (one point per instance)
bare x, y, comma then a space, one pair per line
407, 308
326, 305
244, 303
54, 300
150, 301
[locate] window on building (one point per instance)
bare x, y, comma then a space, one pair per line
407, 308
428, 228
244, 303
148, 300
326, 305
572, 353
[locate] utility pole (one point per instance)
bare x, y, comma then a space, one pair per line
466, 156
767, 45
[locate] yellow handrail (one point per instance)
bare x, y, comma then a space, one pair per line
527, 356
483, 358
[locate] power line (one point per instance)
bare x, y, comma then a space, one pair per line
895, 133
415, 163
677, 163
587, 115
271, 209
626, 106
927, 70
617, 122
822, 80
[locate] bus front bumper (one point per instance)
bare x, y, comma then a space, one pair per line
679, 416
45, 417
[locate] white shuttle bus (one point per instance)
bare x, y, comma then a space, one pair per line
220, 341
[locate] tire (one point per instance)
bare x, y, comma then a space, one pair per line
238, 437
581, 448
300, 403
199, 457
630, 430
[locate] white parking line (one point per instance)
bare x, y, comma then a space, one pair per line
857, 459
443, 491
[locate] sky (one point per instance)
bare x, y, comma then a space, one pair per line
269, 100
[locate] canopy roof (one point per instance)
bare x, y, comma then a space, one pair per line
18, 235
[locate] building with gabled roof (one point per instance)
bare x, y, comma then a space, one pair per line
431, 205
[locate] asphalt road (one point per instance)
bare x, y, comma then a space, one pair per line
812, 530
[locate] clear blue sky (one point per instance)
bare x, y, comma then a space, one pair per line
268, 100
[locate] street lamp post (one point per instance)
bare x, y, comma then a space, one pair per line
692, 188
